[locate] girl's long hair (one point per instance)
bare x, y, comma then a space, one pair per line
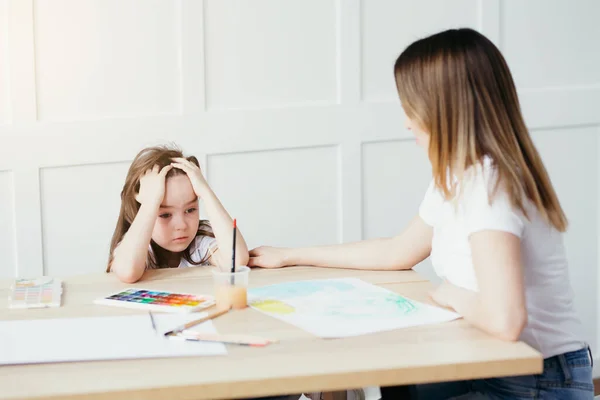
144, 160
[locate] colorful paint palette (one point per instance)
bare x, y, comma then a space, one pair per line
35, 293
157, 300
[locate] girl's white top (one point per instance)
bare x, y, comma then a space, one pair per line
201, 248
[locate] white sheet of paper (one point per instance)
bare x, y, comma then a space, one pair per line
99, 338
346, 307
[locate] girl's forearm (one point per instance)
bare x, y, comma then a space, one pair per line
130, 256
222, 226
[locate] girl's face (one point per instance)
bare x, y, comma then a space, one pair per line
178, 216
421, 136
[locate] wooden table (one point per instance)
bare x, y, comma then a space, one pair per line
299, 363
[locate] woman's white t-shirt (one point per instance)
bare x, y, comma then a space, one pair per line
553, 326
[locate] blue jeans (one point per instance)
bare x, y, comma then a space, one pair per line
566, 377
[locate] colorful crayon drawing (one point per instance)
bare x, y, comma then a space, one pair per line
343, 307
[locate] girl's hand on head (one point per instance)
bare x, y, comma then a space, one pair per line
267, 257
193, 172
152, 186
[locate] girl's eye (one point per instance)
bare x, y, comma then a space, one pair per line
191, 210
167, 215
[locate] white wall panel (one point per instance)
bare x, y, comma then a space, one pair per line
4, 69
269, 53
551, 43
8, 262
280, 197
388, 26
80, 206
106, 58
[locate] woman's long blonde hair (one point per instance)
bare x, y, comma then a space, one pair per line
457, 86
144, 160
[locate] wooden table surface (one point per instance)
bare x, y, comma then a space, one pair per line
299, 363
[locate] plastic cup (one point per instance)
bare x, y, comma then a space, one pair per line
231, 289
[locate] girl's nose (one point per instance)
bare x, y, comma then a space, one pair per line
180, 223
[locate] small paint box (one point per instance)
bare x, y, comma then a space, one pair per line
157, 300
42, 292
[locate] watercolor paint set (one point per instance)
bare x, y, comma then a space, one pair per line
39, 292
155, 300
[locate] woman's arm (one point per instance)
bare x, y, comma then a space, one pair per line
401, 252
499, 307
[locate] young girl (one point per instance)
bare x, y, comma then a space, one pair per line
159, 224
490, 220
